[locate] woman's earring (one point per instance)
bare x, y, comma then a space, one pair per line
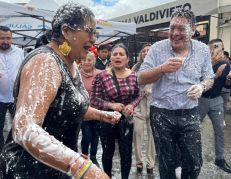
65, 48
74, 38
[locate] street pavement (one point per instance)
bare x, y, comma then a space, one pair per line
209, 170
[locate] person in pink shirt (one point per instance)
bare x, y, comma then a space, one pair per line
89, 128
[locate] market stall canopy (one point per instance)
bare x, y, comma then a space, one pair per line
9, 9
49, 5
113, 30
29, 22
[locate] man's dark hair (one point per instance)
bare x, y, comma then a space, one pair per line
42, 40
5, 29
226, 54
29, 50
196, 34
101, 47
214, 41
181, 12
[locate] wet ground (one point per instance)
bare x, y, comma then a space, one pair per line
209, 170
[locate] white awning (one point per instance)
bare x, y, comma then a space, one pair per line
27, 29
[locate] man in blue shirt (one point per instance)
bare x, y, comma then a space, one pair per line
225, 92
179, 70
211, 103
11, 58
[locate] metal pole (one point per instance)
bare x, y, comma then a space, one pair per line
109, 38
43, 25
26, 30
36, 17
148, 36
23, 35
135, 51
33, 39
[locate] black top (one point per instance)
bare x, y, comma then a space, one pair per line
215, 91
63, 121
99, 64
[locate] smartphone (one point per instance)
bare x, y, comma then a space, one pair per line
217, 46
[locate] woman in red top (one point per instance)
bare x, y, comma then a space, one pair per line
117, 92
89, 128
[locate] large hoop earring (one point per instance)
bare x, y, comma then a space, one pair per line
65, 48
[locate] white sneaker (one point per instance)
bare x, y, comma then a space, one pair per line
224, 124
178, 172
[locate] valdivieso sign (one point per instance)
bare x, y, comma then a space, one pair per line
159, 14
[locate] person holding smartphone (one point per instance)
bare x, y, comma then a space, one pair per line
211, 102
225, 93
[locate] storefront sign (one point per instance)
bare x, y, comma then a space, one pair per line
162, 14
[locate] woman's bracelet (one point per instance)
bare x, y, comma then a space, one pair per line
83, 169
74, 159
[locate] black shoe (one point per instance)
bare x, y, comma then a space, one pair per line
223, 165
94, 160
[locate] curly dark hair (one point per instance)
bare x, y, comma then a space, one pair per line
182, 12
73, 15
5, 29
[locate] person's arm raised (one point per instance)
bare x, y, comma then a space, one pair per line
40, 81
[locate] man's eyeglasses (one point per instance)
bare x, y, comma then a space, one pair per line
91, 31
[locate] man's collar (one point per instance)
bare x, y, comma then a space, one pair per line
104, 62
100, 58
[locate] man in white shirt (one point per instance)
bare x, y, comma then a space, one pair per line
11, 58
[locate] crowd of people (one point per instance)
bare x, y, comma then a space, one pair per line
51, 99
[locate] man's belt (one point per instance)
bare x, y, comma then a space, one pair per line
178, 112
